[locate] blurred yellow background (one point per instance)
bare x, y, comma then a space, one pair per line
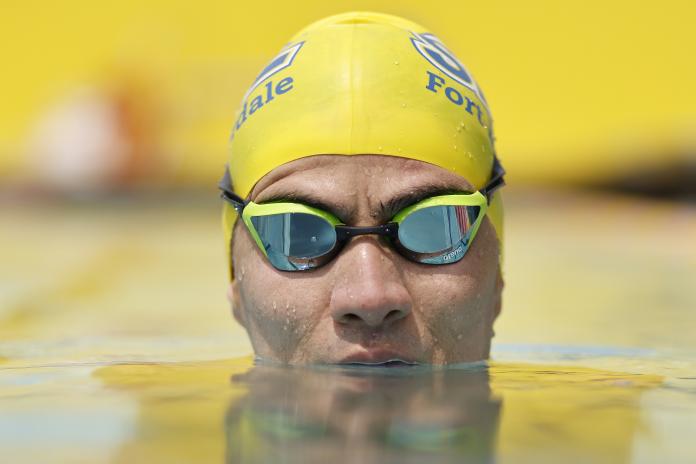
114, 329
147, 91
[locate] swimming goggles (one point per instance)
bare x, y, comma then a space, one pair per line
298, 237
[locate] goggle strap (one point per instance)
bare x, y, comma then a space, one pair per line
227, 192
497, 180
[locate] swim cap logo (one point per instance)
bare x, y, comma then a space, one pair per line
280, 62
270, 90
433, 50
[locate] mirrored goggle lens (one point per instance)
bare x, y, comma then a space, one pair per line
295, 241
438, 234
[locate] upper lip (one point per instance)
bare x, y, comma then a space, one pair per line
376, 356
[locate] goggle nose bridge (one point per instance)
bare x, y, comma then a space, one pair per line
344, 233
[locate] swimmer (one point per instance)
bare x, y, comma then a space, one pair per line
362, 211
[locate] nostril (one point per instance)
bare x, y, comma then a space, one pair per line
393, 315
349, 318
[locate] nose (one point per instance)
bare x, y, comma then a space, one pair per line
370, 292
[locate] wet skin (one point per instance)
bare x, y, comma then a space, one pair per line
369, 304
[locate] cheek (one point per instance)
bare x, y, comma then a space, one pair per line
280, 308
456, 303
450, 303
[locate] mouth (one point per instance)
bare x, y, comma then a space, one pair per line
377, 358
385, 364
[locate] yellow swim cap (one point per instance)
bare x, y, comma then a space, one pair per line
362, 83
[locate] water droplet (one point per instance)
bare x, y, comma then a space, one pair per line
455, 147
274, 305
379, 148
403, 105
459, 336
396, 63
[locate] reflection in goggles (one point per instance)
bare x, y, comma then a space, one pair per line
437, 229
292, 240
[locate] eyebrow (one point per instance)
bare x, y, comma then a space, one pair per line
414, 195
388, 208
309, 199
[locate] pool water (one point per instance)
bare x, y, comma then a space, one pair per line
116, 345
625, 410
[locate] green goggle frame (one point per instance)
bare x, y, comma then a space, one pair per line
298, 237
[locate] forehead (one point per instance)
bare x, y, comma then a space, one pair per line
344, 177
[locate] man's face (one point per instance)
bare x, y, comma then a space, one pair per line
369, 304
